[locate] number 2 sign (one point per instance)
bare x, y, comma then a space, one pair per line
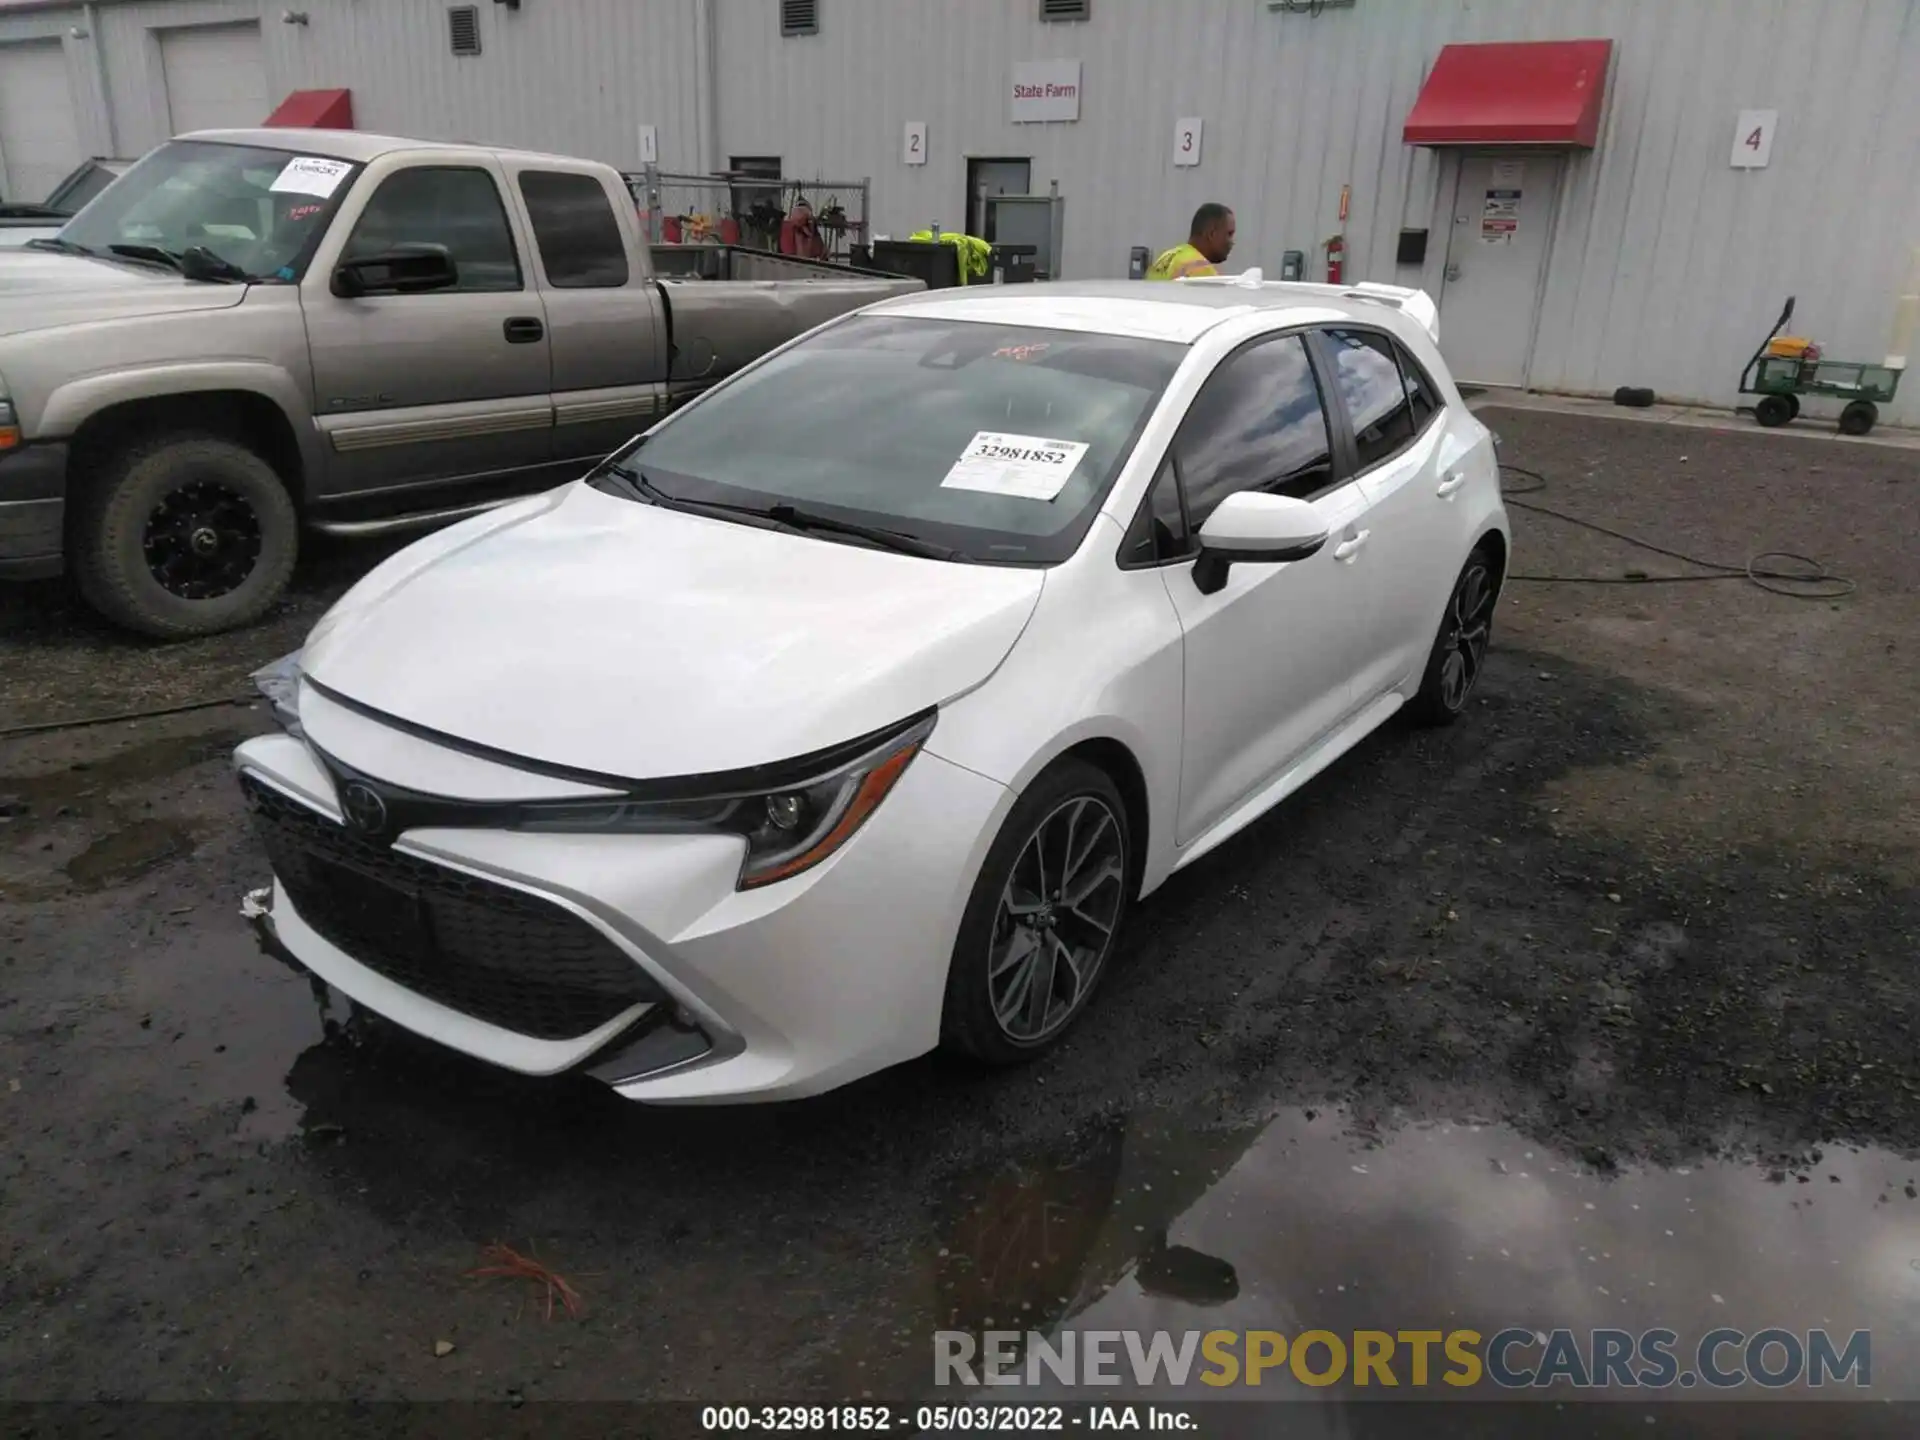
914, 147
1186, 141
1753, 138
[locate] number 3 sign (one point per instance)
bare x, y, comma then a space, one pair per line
1186, 141
1753, 138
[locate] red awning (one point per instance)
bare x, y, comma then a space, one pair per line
1545, 92
315, 110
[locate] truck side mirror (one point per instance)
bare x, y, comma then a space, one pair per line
404, 270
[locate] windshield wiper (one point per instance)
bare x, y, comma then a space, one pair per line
56, 244
196, 262
636, 486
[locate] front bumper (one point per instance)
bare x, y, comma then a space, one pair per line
761, 995
33, 487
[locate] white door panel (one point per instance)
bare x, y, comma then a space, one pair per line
1496, 247
1269, 664
39, 139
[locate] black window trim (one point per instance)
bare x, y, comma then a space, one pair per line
1406, 357
1338, 434
1321, 346
501, 197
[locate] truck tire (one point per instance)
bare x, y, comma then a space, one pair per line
184, 534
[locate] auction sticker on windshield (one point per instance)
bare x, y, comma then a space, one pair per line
1031, 467
310, 175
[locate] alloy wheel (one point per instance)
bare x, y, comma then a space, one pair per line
1464, 645
1057, 918
202, 541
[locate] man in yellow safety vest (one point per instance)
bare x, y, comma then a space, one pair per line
1209, 242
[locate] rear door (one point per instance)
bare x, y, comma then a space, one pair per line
604, 311
1397, 427
416, 389
1270, 656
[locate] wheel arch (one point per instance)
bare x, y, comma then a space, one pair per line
1119, 761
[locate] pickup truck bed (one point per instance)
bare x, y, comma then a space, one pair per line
347, 332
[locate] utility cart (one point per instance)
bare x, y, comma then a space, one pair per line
1785, 367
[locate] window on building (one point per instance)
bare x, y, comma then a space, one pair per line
573, 224
1368, 377
1257, 424
1422, 394
455, 206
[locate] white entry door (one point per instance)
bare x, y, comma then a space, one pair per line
1496, 245
39, 141
214, 78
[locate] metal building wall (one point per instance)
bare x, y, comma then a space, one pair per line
1667, 266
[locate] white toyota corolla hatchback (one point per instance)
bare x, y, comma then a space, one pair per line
845, 713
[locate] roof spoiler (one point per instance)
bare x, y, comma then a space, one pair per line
1417, 305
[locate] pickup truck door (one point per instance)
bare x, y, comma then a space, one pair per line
604, 311
437, 386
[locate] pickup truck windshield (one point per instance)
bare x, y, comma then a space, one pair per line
260, 211
995, 441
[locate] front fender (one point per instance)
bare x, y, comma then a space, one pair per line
73, 402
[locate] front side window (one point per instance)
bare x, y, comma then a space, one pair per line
246, 212
1369, 379
455, 206
994, 440
1257, 424
574, 226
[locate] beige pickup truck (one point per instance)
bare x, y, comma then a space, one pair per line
253, 332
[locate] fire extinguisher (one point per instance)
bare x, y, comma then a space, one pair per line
1336, 255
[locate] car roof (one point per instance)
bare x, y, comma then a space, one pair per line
1180, 311
356, 145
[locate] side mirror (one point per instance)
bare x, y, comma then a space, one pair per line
405, 270
1250, 528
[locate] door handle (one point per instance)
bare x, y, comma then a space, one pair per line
1452, 483
1347, 549
523, 330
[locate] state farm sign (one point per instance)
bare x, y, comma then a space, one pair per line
1046, 90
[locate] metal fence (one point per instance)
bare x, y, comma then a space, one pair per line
739, 208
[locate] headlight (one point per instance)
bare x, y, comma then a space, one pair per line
279, 682
788, 830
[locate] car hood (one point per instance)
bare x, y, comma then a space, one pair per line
583, 630
41, 290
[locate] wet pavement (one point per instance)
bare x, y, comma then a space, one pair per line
1595, 1011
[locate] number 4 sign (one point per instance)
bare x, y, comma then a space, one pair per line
1186, 141
1753, 138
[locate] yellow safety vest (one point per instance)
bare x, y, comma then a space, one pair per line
1180, 260
976, 255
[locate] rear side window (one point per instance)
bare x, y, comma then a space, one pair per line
1422, 395
1369, 379
573, 224
455, 206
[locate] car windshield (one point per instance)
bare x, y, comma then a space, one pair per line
257, 210
995, 441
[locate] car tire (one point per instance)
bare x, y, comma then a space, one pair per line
1460, 647
181, 535
1072, 804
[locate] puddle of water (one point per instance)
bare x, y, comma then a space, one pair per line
37, 798
129, 852
1303, 1223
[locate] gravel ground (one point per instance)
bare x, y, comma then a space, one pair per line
1655, 899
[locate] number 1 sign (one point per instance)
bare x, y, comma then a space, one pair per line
1186, 141
1753, 138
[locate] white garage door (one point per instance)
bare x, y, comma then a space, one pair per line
215, 80
39, 141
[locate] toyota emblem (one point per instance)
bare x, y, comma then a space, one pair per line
363, 807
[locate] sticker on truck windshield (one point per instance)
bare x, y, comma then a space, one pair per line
310, 175
1031, 467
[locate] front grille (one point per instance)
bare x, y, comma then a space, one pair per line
481, 948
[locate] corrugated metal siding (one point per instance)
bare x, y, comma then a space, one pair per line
1667, 264
1667, 267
